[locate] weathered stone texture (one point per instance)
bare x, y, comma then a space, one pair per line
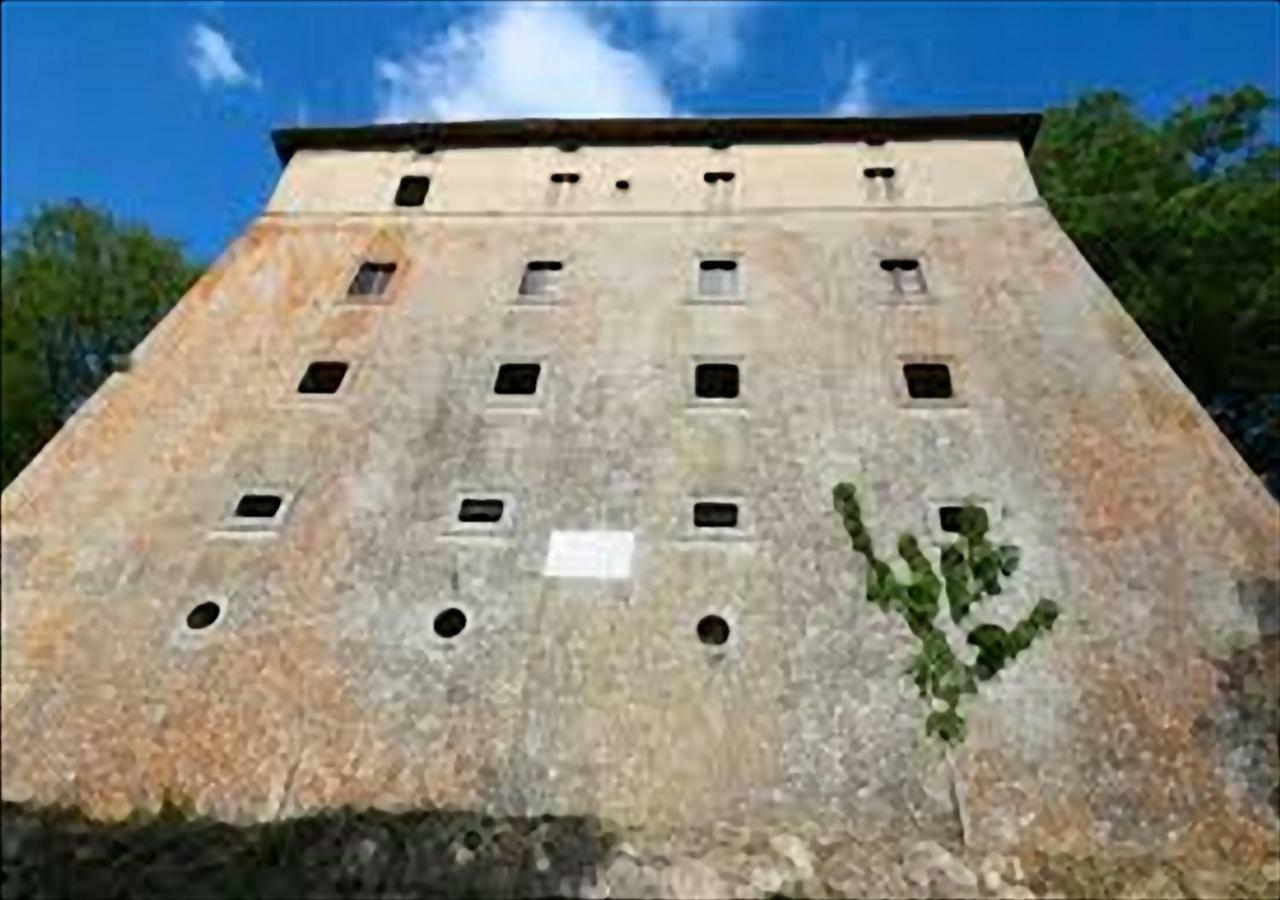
323, 683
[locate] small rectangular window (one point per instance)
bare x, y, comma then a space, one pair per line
475, 509
717, 381
715, 515
371, 279
258, 506
540, 277
718, 278
717, 177
885, 172
927, 380
322, 378
517, 378
565, 178
949, 518
907, 275
412, 190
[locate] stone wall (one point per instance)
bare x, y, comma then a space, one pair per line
323, 682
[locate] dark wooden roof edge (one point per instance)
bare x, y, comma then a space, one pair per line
429, 136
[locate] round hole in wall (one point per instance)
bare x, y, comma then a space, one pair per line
203, 615
713, 630
472, 840
450, 622
622, 184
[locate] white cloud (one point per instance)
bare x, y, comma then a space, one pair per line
856, 100
212, 58
705, 37
522, 59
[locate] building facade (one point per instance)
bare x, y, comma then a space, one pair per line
491, 467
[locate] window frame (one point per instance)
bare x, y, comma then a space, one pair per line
380, 298
400, 190
735, 298
452, 526
928, 375
555, 284
695, 403
899, 274
743, 530
708, 371
232, 524
342, 387
517, 402
523, 368
956, 370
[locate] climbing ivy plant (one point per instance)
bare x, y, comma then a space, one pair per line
971, 569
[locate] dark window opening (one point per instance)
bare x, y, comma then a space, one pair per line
715, 515
322, 378
903, 265
203, 615
517, 378
928, 380
717, 381
622, 184
258, 506
713, 630
907, 275
720, 144
569, 147
562, 177
476, 509
878, 172
718, 277
949, 518
875, 140
450, 622
539, 276
413, 190
713, 177
371, 279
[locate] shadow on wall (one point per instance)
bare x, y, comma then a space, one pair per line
59, 853
1245, 725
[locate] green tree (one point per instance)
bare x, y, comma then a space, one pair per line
1182, 219
78, 290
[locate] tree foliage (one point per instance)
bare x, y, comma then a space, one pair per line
1181, 218
78, 290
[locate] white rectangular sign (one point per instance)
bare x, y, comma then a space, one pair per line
589, 554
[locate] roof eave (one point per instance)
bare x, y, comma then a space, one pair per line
425, 136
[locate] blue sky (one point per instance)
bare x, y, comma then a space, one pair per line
161, 113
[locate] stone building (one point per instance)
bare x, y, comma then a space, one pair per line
491, 468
